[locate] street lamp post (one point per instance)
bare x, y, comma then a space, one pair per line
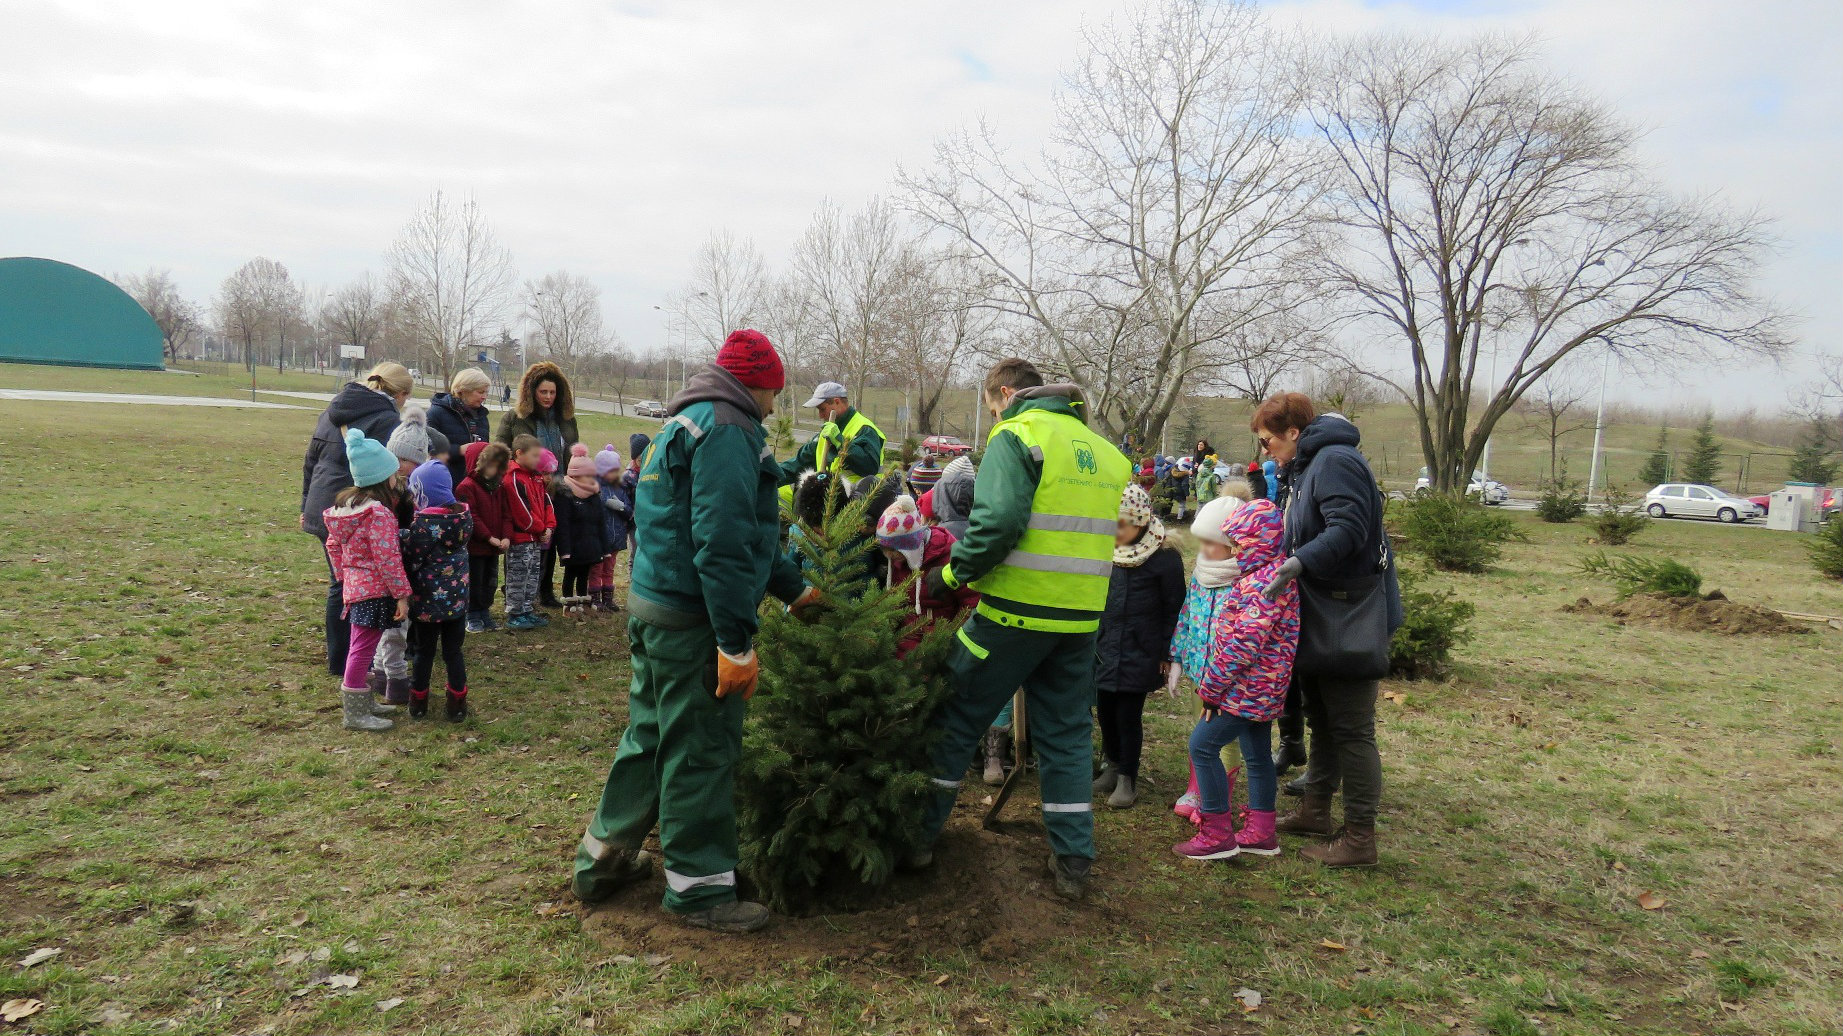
1599, 425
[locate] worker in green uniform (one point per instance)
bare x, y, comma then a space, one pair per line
706, 531
1039, 549
849, 446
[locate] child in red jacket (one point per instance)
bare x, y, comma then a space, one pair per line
527, 499
916, 548
484, 493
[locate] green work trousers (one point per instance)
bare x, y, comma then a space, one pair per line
676, 767
1056, 671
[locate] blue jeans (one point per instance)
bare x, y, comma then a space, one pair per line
1208, 740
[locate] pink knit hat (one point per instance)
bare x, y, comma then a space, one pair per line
580, 462
547, 462
902, 530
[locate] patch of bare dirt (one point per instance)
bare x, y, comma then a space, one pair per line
987, 893
1711, 614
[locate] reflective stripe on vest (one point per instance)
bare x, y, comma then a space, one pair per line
1064, 559
852, 427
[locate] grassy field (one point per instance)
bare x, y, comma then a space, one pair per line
185, 821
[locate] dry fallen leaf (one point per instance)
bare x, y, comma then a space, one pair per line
1250, 999
1336, 947
942, 980
39, 956
19, 1010
385, 1005
1650, 901
342, 981
1395, 696
323, 953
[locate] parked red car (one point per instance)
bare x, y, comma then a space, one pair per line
1826, 501
945, 446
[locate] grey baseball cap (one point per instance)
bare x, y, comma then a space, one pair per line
827, 390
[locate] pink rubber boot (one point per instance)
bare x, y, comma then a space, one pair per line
1215, 839
1188, 803
1256, 835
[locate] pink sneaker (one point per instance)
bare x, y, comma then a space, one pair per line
1215, 839
1256, 835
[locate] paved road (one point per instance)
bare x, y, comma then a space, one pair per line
49, 395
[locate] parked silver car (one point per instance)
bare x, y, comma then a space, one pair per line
649, 408
1685, 500
1488, 491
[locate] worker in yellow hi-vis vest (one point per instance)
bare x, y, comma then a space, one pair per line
1039, 549
849, 446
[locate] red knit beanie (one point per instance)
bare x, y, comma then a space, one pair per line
751, 358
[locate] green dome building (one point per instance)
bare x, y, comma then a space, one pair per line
52, 312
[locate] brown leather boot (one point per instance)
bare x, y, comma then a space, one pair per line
1353, 846
1313, 817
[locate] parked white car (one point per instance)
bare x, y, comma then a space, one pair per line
1489, 491
1685, 500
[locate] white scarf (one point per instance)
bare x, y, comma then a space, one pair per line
1215, 574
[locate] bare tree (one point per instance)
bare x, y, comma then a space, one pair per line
852, 271
356, 314
939, 320
567, 310
451, 282
256, 304
176, 316
1552, 407
725, 293
1161, 219
1490, 212
788, 319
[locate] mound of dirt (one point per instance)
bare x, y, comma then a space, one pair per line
1711, 614
987, 893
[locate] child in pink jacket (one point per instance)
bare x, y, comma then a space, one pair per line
1238, 647
367, 558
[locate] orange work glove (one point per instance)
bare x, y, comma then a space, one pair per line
808, 597
737, 673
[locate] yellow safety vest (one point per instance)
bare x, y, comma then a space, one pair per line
1065, 557
852, 427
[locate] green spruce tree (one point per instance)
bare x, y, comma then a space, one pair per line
834, 780
1704, 464
1657, 465
1811, 461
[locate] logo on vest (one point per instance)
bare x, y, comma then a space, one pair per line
1084, 457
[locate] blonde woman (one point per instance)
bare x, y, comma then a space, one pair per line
370, 406
460, 414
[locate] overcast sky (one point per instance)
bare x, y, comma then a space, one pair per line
609, 139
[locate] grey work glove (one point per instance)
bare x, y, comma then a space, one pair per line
1288, 571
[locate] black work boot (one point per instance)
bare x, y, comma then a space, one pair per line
619, 869
1070, 875
734, 917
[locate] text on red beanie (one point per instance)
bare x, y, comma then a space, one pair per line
751, 358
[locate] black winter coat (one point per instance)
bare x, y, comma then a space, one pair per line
1142, 609
581, 537
324, 473
461, 425
1333, 509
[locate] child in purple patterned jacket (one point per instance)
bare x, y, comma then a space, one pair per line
1238, 647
